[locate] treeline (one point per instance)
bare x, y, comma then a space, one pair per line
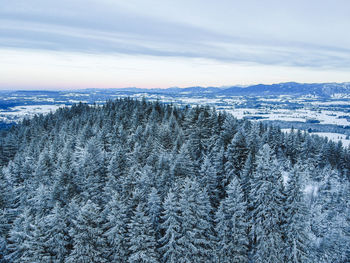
134, 181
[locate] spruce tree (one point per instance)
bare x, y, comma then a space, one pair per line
267, 203
169, 245
231, 226
88, 240
116, 230
142, 243
296, 217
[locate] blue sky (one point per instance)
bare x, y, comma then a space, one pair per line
108, 43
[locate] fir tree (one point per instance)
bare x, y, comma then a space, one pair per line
266, 195
88, 240
170, 248
116, 230
142, 241
232, 226
296, 216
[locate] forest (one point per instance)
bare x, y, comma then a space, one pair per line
138, 181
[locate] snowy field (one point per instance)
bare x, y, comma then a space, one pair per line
335, 137
301, 115
18, 113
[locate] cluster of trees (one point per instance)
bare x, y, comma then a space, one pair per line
134, 181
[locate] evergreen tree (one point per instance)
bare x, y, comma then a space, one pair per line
116, 230
196, 231
20, 237
267, 202
236, 155
58, 236
88, 241
296, 217
91, 171
232, 226
170, 247
208, 180
142, 241
154, 211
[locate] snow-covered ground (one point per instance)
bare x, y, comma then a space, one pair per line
18, 113
300, 115
336, 137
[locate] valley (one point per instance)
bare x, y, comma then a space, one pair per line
322, 108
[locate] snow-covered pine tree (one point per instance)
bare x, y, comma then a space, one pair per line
232, 226
236, 155
208, 180
169, 246
267, 202
142, 243
116, 230
154, 211
296, 220
88, 240
196, 239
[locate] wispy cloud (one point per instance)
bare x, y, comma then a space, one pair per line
101, 27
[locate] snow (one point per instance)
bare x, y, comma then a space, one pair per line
285, 177
336, 137
18, 113
311, 190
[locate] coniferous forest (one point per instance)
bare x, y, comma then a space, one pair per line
137, 181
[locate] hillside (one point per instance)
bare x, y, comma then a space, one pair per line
138, 181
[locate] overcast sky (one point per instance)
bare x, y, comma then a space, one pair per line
109, 43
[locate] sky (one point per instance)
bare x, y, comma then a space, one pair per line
75, 44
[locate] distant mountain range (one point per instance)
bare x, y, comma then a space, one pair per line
288, 88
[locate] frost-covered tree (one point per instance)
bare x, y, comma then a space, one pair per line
236, 155
267, 214
91, 171
232, 226
88, 240
296, 221
116, 230
196, 229
154, 210
208, 179
19, 240
142, 243
330, 219
169, 246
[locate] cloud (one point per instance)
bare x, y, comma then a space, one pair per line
105, 27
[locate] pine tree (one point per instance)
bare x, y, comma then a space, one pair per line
170, 248
58, 236
37, 243
91, 171
3, 249
196, 233
267, 202
184, 166
209, 180
116, 230
20, 237
154, 211
296, 227
236, 155
232, 226
142, 241
88, 241
330, 218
